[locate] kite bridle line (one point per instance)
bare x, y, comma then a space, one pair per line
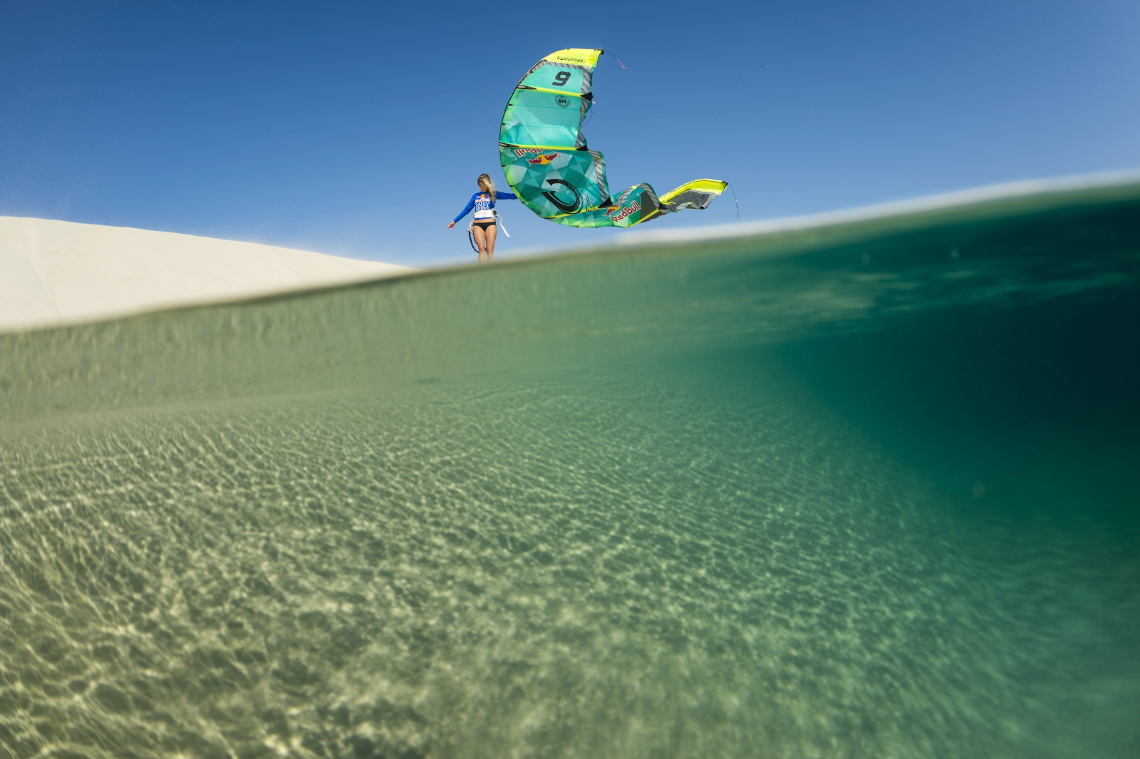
616, 59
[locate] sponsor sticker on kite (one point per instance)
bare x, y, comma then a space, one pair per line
624, 212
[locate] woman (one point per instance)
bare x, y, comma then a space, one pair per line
484, 229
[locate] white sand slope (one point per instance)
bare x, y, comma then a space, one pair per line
58, 272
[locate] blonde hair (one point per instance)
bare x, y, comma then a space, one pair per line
485, 180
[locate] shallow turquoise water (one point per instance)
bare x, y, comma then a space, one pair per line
857, 491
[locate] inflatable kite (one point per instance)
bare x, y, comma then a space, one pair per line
548, 165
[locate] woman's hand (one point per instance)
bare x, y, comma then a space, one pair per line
452, 224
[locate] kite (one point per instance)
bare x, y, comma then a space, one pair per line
549, 167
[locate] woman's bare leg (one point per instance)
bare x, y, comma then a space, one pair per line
481, 242
492, 233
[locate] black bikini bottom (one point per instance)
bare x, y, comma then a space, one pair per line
484, 224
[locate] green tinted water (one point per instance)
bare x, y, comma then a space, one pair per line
858, 491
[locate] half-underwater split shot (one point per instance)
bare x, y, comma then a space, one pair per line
840, 484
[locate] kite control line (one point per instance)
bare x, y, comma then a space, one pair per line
734, 200
618, 60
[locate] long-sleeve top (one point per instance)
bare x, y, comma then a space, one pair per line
482, 203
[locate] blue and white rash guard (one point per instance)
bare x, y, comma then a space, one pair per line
482, 203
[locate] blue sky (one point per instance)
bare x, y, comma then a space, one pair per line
357, 129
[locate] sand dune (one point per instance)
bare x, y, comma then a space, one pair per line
59, 272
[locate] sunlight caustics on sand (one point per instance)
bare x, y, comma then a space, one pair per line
859, 489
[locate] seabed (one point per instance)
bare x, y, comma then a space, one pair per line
861, 488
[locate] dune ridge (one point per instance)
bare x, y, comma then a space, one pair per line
60, 272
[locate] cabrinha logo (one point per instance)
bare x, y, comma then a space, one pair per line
626, 211
563, 101
555, 184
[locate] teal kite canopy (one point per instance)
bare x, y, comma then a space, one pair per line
546, 161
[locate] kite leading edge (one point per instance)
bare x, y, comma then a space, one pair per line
546, 161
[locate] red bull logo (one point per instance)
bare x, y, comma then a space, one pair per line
520, 152
542, 160
625, 211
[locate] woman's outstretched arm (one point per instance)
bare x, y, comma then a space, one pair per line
467, 208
